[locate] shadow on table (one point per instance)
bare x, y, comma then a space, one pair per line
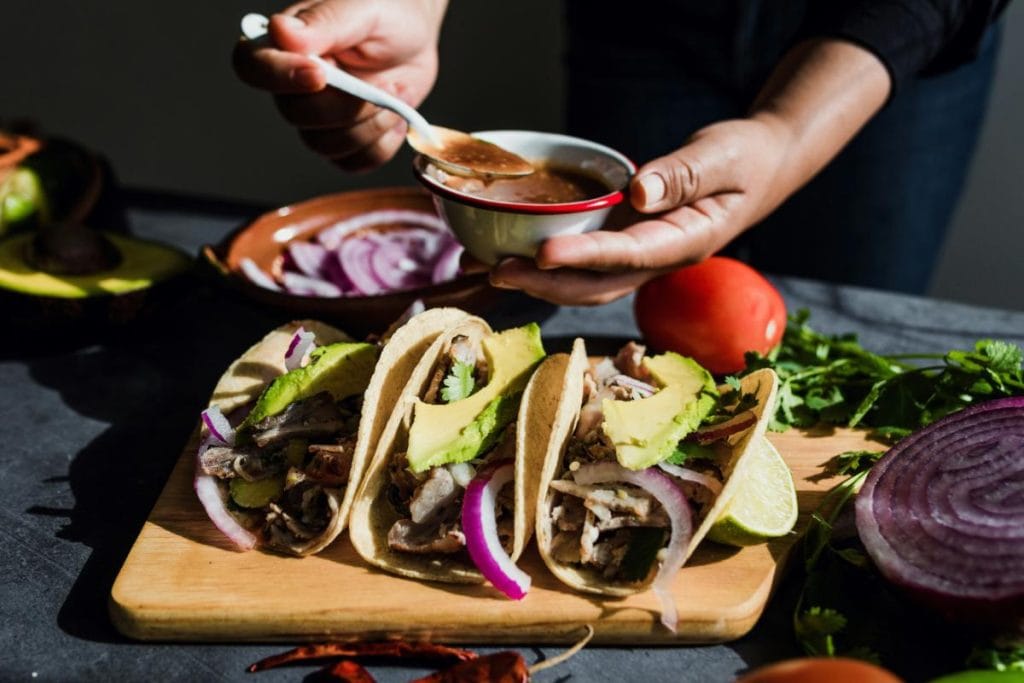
148, 386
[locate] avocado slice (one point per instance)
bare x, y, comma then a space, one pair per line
22, 202
343, 369
463, 430
646, 431
142, 264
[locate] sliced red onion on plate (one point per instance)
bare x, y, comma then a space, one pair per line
393, 266
209, 492
686, 474
447, 265
481, 530
665, 491
257, 276
354, 256
332, 237
301, 344
942, 514
309, 258
303, 285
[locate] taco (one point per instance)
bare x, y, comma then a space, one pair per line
449, 495
645, 454
286, 441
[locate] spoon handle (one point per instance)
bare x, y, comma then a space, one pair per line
254, 26
343, 80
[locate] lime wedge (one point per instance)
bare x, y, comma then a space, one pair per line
764, 504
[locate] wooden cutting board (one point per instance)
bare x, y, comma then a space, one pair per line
182, 581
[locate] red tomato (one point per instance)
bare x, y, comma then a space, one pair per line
820, 670
713, 311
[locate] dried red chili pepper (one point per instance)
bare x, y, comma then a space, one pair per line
390, 648
348, 671
501, 667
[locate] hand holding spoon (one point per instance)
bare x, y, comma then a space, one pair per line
451, 150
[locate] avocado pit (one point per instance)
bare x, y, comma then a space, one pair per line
71, 249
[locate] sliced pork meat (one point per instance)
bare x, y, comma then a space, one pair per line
629, 361
310, 417
331, 463
407, 536
434, 497
219, 461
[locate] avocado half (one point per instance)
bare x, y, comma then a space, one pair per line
34, 299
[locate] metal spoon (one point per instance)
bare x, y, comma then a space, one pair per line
451, 150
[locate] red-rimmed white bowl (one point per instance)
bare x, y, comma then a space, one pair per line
491, 230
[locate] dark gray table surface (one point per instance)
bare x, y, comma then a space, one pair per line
90, 434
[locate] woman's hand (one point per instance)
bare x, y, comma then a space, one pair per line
389, 43
700, 197
726, 178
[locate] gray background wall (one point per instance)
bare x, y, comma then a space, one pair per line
150, 85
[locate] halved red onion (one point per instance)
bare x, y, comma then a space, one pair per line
257, 276
333, 236
308, 258
665, 491
302, 343
686, 474
303, 285
734, 425
481, 530
942, 514
209, 492
447, 266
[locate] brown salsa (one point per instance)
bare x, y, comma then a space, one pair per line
546, 185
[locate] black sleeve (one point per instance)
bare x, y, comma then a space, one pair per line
911, 37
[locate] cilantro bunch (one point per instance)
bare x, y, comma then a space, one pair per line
833, 379
845, 607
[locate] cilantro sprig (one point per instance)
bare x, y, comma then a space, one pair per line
833, 379
459, 383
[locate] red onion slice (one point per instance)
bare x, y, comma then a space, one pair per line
212, 497
354, 256
332, 237
218, 426
447, 266
309, 286
942, 514
481, 530
676, 507
308, 258
686, 474
734, 425
301, 344
257, 276
209, 492
394, 266
642, 388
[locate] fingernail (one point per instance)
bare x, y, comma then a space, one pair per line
496, 278
653, 186
291, 22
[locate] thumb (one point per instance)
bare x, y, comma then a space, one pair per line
702, 167
322, 28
